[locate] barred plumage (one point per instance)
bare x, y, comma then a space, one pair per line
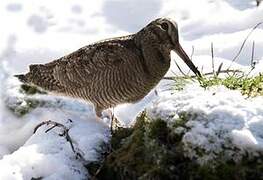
113, 71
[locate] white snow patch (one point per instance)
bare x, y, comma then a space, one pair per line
221, 120
24, 155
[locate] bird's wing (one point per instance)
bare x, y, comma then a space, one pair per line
78, 68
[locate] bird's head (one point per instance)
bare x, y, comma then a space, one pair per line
166, 31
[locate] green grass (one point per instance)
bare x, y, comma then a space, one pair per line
248, 86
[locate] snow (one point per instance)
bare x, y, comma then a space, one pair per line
203, 22
222, 119
25, 155
40, 32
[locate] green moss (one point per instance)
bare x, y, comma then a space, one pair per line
250, 86
142, 155
28, 105
244, 170
126, 161
183, 118
180, 82
30, 90
158, 130
119, 135
151, 150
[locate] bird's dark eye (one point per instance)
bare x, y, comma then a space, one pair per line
164, 26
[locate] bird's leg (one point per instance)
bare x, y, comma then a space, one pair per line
114, 121
109, 114
98, 112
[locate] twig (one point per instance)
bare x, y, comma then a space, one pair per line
192, 53
156, 92
64, 133
189, 71
219, 69
168, 89
173, 78
179, 68
99, 169
212, 54
253, 64
191, 57
173, 72
115, 123
205, 74
202, 69
112, 118
242, 46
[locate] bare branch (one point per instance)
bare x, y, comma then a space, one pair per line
174, 73
179, 68
242, 46
212, 54
193, 51
205, 74
64, 133
253, 63
219, 69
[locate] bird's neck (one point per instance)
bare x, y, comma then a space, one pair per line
156, 60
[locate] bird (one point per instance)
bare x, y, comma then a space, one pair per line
113, 71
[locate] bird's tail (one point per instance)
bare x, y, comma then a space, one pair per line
27, 78
21, 77
41, 76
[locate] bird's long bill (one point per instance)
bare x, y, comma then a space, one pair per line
179, 50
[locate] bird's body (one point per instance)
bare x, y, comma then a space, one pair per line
107, 73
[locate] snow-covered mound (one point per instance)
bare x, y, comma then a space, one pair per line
49, 155
25, 155
195, 133
219, 122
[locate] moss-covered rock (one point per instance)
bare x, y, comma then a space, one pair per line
21, 108
24, 103
152, 149
30, 90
